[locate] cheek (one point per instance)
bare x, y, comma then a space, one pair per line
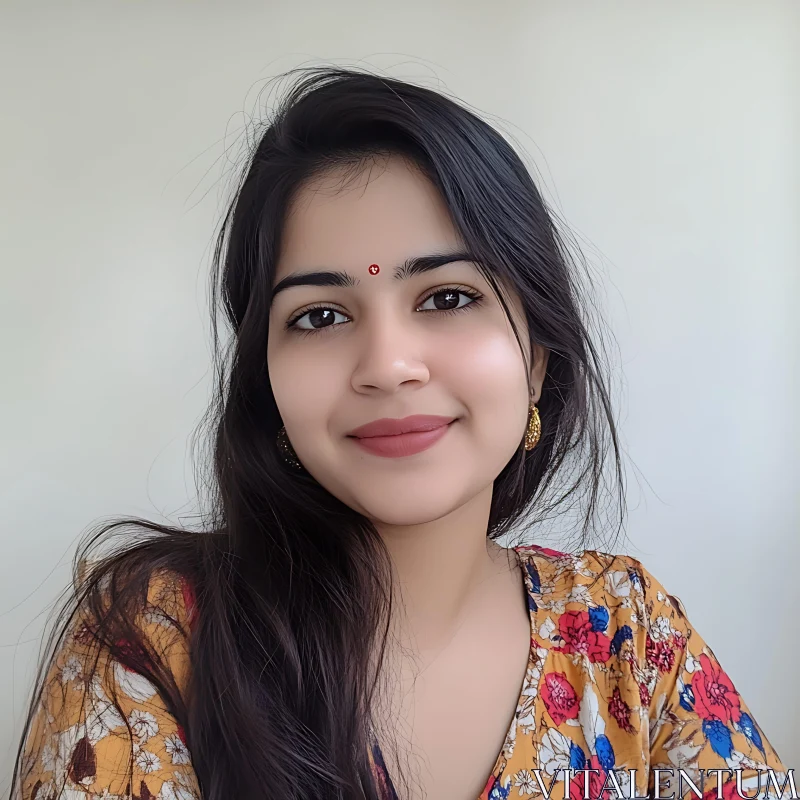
487, 368
304, 386
488, 378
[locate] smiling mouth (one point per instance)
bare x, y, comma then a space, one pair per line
403, 444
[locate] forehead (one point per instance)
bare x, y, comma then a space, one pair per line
382, 213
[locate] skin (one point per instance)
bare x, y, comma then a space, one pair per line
385, 357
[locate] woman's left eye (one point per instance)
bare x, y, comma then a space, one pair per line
448, 300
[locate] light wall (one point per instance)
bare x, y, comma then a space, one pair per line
666, 135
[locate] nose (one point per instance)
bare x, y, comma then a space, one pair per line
390, 355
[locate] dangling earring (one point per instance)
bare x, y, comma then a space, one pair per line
534, 428
286, 449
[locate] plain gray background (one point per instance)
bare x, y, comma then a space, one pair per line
667, 135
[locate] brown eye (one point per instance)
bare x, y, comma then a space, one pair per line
447, 300
317, 318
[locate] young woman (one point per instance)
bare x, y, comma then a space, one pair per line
410, 377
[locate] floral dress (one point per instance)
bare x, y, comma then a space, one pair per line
619, 686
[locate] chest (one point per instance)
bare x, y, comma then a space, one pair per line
451, 718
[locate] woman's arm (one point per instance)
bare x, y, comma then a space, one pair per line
100, 729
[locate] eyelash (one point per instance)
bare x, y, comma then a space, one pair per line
476, 298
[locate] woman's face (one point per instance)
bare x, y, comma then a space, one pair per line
387, 347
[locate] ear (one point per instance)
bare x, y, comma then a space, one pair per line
540, 356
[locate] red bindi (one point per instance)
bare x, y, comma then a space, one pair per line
374, 269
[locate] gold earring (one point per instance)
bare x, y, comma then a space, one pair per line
286, 449
534, 428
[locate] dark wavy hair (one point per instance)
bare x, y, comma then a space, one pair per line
293, 587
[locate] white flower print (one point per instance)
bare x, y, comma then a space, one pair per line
102, 716
186, 785
624, 782
526, 783
526, 710
691, 664
580, 594
657, 720
582, 569
68, 793
556, 606
159, 617
169, 791
143, 723
48, 758
684, 756
618, 583
738, 760
177, 749
147, 761
47, 789
57, 753
71, 670
592, 723
660, 629
547, 628
510, 740
640, 616
136, 686
106, 795
554, 752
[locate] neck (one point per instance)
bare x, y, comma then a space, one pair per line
443, 569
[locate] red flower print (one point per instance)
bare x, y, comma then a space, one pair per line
644, 695
84, 634
546, 550
660, 654
620, 710
559, 697
188, 600
575, 628
130, 651
144, 793
596, 780
488, 788
728, 790
714, 693
83, 762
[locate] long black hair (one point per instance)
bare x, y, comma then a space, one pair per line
293, 587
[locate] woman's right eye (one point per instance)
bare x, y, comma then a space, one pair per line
317, 319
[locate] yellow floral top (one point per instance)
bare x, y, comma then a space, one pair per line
618, 685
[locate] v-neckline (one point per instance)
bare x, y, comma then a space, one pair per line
501, 759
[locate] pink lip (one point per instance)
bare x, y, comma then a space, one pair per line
397, 438
394, 427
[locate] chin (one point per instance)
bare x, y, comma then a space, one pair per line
403, 517
409, 508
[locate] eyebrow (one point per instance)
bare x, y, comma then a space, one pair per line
415, 265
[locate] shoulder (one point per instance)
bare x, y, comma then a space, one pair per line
604, 574
130, 632
154, 601
114, 694
613, 594
171, 600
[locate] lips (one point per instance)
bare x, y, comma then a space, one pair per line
396, 438
418, 423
